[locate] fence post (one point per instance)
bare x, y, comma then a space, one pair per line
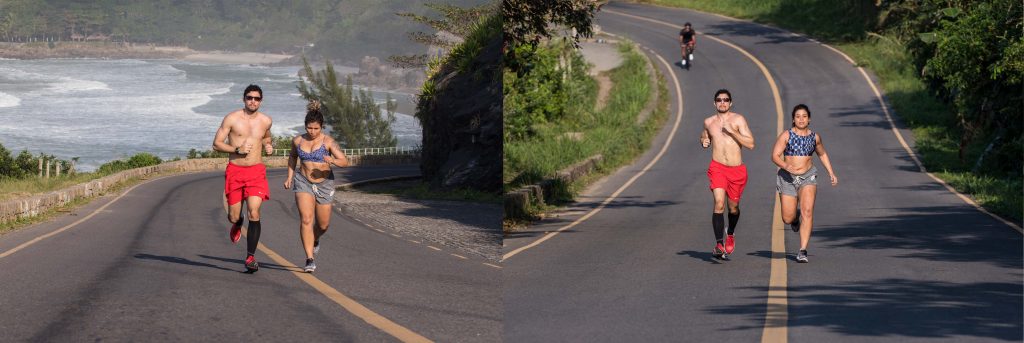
48, 164
40, 167
58, 168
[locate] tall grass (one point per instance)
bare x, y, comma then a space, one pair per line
612, 132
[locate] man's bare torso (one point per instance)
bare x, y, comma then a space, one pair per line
247, 132
724, 148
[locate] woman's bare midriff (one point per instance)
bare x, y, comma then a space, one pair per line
315, 172
800, 164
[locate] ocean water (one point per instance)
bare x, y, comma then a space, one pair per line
102, 110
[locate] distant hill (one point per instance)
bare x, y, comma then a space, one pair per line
340, 30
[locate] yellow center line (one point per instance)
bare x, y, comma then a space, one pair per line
776, 309
357, 309
664, 148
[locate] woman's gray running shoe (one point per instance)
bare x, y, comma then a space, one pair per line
802, 256
316, 247
310, 266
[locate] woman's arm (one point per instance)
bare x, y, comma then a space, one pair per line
819, 148
338, 157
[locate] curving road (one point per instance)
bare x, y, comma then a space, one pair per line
894, 254
156, 265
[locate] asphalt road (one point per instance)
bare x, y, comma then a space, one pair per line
894, 255
156, 265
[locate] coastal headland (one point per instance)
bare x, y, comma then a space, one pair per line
108, 50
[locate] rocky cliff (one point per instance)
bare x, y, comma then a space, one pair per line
461, 119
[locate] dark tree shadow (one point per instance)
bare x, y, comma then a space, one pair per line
179, 260
889, 308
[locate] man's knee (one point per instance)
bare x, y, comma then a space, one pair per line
254, 214
306, 220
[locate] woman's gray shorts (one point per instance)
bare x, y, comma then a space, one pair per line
323, 191
789, 184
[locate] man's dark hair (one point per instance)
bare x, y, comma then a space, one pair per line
252, 88
721, 91
687, 24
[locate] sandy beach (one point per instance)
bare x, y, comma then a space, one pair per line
141, 51
235, 57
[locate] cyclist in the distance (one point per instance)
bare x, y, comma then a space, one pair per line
687, 42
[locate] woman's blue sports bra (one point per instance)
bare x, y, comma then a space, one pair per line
312, 156
799, 145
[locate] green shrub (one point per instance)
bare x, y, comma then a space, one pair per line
545, 90
137, 161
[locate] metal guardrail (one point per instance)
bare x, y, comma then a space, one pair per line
365, 151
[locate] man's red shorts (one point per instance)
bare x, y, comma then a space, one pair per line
732, 179
244, 182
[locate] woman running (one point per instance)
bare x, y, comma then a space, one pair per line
314, 182
797, 177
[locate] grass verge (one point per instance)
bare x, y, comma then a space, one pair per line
931, 121
18, 188
12, 225
612, 132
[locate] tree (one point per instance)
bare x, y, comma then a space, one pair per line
355, 118
976, 61
457, 21
527, 22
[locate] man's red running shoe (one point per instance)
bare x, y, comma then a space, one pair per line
235, 233
251, 265
719, 251
730, 244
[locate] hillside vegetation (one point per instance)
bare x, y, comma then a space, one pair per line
343, 30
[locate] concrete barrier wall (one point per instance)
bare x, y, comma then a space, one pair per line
36, 204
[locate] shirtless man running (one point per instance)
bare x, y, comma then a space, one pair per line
245, 177
726, 133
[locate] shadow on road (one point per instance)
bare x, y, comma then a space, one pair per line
700, 255
935, 233
262, 264
889, 308
179, 260
770, 35
185, 261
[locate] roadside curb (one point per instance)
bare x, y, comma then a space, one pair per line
352, 185
40, 203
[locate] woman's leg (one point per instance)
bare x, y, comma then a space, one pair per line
323, 219
807, 194
306, 203
788, 208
